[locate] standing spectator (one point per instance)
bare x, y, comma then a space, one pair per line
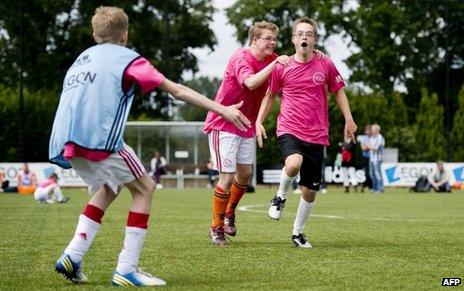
296, 186
364, 142
324, 163
212, 175
347, 154
439, 179
376, 146
49, 191
27, 180
158, 168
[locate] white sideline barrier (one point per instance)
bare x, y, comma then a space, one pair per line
394, 174
69, 178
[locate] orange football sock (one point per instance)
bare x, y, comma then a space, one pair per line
236, 193
220, 199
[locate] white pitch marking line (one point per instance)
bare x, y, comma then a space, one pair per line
250, 208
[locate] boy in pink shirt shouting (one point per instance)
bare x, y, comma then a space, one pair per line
245, 79
303, 121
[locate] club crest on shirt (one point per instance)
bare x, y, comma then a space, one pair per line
318, 78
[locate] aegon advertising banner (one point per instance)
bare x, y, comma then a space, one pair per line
406, 174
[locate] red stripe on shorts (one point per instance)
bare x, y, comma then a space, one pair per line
137, 163
131, 163
217, 150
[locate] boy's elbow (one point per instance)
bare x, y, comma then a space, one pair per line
250, 84
178, 91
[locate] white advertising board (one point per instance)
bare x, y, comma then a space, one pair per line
406, 174
67, 178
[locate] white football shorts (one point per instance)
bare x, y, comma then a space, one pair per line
118, 169
228, 149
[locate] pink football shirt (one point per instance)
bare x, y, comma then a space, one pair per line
241, 65
139, 72
304, 106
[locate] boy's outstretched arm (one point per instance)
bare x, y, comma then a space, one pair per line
264, 109
350, 126
230, 113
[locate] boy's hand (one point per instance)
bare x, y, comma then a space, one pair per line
235, 116
350, 129
260, 134
284, 60
319, 54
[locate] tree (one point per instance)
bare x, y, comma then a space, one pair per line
245, 12
46, 37
53, 33
401, 42
205, 86
457, 133
392, 42
429, 129
399, 133
39, 110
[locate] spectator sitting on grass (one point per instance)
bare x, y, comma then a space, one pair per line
27, 180
439, 179
3, 183
49, 191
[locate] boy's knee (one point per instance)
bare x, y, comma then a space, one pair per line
225, 181
144, 186
150, 186
309, 195
292, 169
244, 177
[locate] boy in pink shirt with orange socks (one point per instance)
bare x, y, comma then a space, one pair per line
303, 121
245, 80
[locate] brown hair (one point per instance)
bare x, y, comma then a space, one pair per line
53, 175
256, 30
308, 20
109, 23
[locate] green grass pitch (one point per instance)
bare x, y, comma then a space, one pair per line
397, 240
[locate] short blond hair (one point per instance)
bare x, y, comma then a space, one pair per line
307, 20
375, 128
256, 30
109, 23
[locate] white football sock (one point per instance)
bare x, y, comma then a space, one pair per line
130, 253
285, 182
58, 194
302, 215
86, 231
